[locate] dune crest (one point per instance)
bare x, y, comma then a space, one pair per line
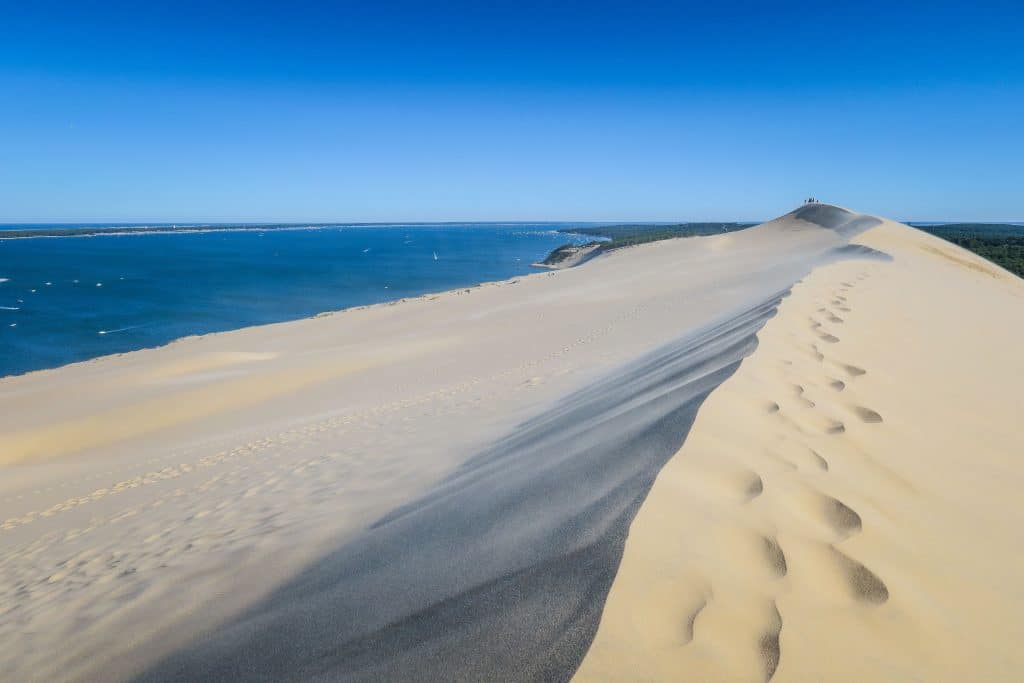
883, 542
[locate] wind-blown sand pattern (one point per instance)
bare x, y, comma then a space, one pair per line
847, 510
444, 488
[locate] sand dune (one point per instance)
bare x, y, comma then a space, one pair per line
846, 510
630, 468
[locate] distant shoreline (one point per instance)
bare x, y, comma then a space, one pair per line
97, 230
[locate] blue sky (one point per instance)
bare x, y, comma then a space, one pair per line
508, 111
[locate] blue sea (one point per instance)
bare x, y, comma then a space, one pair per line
70, 297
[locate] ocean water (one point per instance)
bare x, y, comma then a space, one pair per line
70, 298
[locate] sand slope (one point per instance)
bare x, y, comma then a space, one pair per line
847, 507
441, 488
152, 499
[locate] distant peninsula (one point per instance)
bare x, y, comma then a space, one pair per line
611, 237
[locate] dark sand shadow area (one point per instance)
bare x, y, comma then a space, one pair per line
502, 570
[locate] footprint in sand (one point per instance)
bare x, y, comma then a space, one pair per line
843, 519
853, 370
769, 644
864, 584
755, 487
759, 629
836, 427
821, 462
866, 414
809, 422
799, 455
831, 572
824, 512
720, 477
774, 555
691, 620
798, 391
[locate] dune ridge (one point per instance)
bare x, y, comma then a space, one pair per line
882, 538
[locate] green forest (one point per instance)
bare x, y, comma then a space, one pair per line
1003, 244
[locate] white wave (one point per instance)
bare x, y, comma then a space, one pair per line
120, 329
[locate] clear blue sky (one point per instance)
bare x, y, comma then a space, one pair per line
521, 110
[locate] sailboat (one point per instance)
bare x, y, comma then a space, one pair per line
435, 255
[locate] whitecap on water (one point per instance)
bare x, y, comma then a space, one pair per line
120, 329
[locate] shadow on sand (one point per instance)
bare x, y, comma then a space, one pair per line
501, 571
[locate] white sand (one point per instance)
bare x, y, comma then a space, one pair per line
149, 497
847, 506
